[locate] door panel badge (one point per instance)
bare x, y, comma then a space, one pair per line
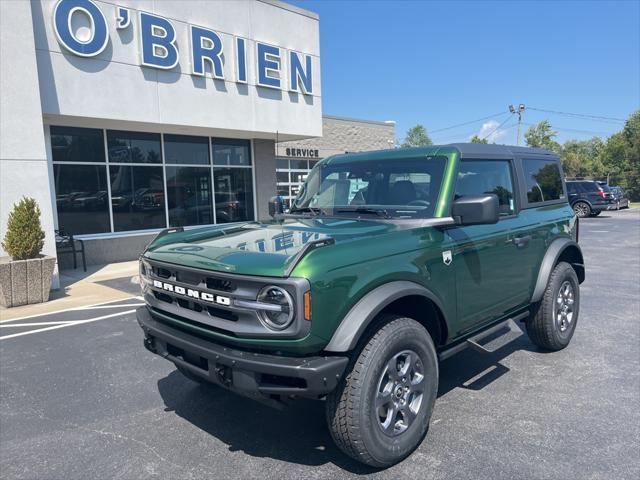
446, 257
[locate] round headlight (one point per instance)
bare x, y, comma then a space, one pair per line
281, 315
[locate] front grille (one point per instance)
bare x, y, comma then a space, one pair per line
163, 297
161, 272
195, 279
194, 306
189, 277
220, 284
190, 322
212, 300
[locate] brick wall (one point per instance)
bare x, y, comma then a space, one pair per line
341, 135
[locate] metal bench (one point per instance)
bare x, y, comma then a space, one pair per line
65, 243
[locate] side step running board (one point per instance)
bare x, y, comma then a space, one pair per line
494, 344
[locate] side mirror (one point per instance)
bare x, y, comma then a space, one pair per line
276, 205
476, 210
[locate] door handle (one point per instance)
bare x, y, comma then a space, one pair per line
521, 242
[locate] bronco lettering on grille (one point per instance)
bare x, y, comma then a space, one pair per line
189, 292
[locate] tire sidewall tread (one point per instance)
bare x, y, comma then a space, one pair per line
542, 328
349, 406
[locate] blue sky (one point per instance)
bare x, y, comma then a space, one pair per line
444, 63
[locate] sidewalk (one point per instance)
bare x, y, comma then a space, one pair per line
99, 284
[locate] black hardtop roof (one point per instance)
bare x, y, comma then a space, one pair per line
493, 149
478, 151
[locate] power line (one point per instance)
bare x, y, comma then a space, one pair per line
467, 123
465, 136
580, 115
498, 127
572, 130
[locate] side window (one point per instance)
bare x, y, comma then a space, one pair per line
479, 177
542, 179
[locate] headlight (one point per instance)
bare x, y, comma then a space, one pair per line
281, 315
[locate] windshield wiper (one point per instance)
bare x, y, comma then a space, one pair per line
313, 211
381, 212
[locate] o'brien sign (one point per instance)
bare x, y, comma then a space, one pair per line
158, 46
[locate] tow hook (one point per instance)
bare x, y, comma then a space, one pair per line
149, 344
224, 374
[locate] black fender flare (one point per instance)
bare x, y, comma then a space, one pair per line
356, 321
554, 251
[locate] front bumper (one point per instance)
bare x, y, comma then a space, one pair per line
251, 374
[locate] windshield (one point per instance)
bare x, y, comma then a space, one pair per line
392, 188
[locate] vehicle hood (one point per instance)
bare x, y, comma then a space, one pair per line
263, 249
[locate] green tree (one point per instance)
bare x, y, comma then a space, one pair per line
24, 238
477, 139
541, 135
581, 158
417, 137
620, 157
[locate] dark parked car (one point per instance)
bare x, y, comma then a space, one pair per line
589, 198
620, 197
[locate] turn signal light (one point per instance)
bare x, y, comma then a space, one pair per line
307, 306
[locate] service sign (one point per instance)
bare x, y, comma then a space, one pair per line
159, 49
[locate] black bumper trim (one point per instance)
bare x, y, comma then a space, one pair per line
251, 374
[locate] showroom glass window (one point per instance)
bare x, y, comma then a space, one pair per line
80, 179
137, 185
154, 180
189, 195
233, 180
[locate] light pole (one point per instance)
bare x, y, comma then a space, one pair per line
519, 111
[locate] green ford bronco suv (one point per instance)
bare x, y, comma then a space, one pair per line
386, 263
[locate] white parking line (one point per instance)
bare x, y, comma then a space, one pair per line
86, 307
34, 324
66, 324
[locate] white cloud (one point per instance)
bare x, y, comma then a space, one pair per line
491, 131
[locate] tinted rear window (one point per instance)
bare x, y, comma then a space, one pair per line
543, 180
590, 186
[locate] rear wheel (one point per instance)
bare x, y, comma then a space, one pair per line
555, 318
380, 411
582, 209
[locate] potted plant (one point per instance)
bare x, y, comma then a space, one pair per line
25, 276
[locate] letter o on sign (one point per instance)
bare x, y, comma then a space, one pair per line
88, 41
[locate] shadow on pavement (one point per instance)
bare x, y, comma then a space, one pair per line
298, 433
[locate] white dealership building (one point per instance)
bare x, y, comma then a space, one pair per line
124, 117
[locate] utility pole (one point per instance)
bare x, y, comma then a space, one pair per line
519, 111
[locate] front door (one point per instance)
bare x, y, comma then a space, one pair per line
489, 277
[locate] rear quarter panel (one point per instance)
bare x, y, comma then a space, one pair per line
544, 224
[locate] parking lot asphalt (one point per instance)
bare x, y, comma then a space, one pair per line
85, 400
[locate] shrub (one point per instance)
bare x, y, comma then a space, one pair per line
24, 238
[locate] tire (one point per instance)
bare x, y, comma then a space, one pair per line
550, 328
383, 436
582, 209
191, 376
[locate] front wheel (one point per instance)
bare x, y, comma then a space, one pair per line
381, 410
555, 317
